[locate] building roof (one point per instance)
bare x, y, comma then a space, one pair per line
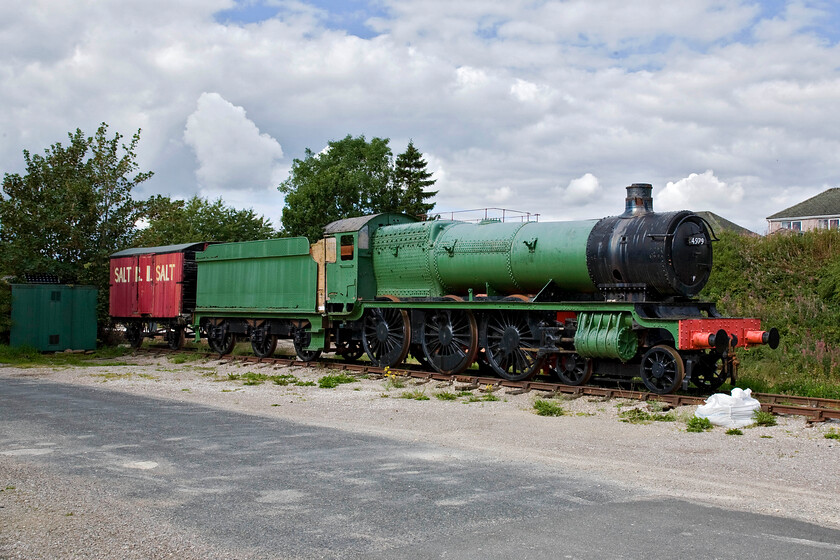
827, 203
719, 223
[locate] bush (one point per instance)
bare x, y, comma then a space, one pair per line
791, 282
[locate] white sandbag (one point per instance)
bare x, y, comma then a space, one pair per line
730, 411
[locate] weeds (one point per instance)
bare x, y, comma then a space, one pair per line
334, 380
111, 375
488, 397
185, 357
27, 356
547, 408
762, 418
696, 424
446, 396
640, 416
416, 395
734, 432
392, 381
832, 434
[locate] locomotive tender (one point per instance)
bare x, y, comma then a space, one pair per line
609, 297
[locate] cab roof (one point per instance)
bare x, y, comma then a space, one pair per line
376, 220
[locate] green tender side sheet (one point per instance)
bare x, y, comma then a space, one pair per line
267, 275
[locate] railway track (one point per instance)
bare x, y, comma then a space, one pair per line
813, 409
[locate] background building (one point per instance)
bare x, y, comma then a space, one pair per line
818, 212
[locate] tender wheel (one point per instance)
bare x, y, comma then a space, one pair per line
708, 373
301, 340
511, 347
350, 350
263, 344
221, 340
450, 340
572, 369
662, 369
175, 337
134, 334
386, 335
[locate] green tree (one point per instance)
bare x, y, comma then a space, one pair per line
412, 179
71, 209
352, 177
197, 219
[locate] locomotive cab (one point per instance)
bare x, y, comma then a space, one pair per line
348, 270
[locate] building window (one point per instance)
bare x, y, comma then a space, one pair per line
796, 226
834, 224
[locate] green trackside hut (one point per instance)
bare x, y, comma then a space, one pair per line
53, 317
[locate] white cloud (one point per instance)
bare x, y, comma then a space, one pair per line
232, 154
582, 189
700, 191
500, 195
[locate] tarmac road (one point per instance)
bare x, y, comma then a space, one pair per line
242, 486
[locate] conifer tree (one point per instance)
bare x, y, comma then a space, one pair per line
412, 180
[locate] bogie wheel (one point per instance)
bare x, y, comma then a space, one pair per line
263, 344
350, 350
221, 340
572, 369
134, 334
175, 337
301, 340
708, 373
450, 340
662, 369
386, 335
512, 349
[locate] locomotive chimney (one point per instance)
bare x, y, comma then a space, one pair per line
639, 200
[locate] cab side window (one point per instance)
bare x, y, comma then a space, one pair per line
347, 247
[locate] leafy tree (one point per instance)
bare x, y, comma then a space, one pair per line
411, 177
352, 177
71, 209
197, 219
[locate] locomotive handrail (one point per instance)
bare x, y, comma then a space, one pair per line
713, 236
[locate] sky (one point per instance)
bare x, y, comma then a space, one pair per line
548, 107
